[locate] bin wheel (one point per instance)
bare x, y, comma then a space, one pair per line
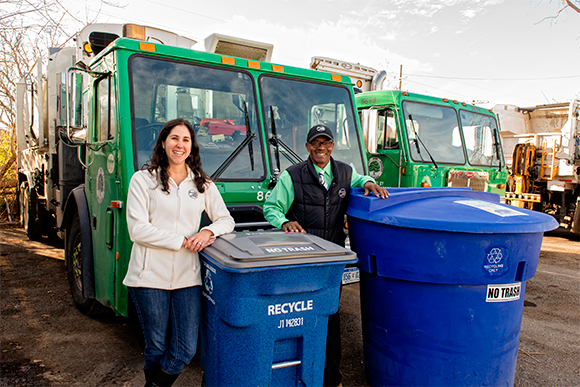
88, 306
28, 213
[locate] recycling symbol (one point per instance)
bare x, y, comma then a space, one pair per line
495, 255
208, 282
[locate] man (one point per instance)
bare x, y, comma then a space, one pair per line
312, 197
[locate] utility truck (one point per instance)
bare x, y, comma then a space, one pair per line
91, 115
414, 140
364, 78
542, 150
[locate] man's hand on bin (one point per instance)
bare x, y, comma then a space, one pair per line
375, 189
292, 227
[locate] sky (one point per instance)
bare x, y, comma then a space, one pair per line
518, 52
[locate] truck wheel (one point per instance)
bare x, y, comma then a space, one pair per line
576, 219
28, 215
74, 259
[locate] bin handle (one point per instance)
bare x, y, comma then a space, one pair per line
284, 364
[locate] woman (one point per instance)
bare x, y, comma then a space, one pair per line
164, 208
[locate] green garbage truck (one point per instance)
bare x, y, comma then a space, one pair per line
90, 116
415, 140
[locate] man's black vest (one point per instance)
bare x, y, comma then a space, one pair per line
320, 212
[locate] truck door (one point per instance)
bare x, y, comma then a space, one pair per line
102, 187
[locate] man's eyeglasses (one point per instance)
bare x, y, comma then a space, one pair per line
326, 144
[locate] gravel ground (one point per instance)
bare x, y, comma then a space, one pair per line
45, 341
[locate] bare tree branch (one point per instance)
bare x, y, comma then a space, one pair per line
567, 4
572, 5
13, 14
27, 29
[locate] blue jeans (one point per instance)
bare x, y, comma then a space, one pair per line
170, 322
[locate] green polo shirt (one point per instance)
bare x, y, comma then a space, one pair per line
282, 196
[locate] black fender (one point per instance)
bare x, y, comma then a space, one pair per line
77, 203
25, 177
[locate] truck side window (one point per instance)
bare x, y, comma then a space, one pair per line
387, 130
478, 131
105, 109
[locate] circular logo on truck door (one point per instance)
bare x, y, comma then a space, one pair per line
100, 185
375, 167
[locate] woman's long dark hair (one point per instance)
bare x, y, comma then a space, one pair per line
159, 162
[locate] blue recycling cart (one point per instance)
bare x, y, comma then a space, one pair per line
443, 277
266, 299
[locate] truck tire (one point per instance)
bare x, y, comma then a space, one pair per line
88, 306
28, 214
576, 219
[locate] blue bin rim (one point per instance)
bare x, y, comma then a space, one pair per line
447, 209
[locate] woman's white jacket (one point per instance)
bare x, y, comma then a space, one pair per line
159, 221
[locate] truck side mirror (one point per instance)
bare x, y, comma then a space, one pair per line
70, 107
369, 122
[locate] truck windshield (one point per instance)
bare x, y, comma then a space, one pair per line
291, 107
433, 129
480, 133
219, 103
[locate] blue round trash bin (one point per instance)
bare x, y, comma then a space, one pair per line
443, 275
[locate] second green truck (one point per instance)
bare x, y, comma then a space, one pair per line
415, 140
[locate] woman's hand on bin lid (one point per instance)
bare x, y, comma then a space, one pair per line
199, 241
375, 189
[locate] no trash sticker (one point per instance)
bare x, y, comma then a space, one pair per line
289, 249
503, 293
492, 208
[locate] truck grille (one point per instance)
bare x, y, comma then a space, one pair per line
477, 181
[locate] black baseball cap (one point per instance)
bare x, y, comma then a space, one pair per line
317, 131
